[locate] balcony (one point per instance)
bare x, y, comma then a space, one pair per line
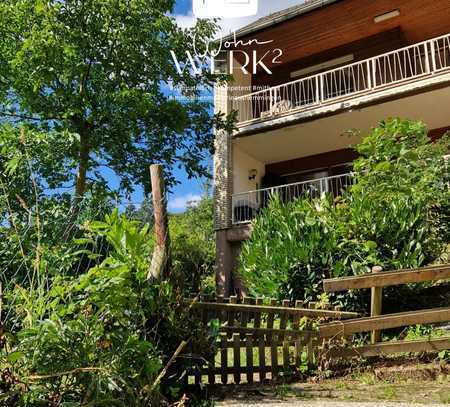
247, 205
371, 76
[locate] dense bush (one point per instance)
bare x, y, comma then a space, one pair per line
193, 246
102, 336
394, 216
79, 325
290, 249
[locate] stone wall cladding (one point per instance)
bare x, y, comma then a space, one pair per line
222, 165
222, 181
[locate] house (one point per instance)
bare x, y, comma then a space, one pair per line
329, 66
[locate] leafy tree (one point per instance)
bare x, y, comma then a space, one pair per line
142, 213
100, 69
31, 163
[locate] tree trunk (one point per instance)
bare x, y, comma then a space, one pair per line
160, 264
80, 183
83, 164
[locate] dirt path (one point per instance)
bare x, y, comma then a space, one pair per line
297, 403
337, 394
410, 384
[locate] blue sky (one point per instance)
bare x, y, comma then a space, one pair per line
190, 190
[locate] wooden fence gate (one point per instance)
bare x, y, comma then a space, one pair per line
260, 341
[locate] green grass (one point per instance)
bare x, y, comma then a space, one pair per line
368, 379
282, 390
388, 393
444, 397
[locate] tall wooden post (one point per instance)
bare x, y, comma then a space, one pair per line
160, 264
376, 302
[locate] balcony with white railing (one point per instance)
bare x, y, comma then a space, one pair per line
412, 63
247, 205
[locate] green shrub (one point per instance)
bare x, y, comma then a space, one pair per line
394, 216
193, 246
102, 337
290, 249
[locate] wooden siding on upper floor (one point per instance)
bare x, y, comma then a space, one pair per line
348, 21
318, 161
361, 49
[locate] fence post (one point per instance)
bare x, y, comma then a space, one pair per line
376, 301
160, 263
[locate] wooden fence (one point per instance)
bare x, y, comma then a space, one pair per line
377, 322
263, 340
259, 341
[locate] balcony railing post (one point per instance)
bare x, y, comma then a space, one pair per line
369, 76
271, 99
433, 55
373, 62
318, 89
427, 58
321, 98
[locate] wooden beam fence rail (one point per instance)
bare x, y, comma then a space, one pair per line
353, 326
265, 332
302, 312
376, 281
388, 278
394, 347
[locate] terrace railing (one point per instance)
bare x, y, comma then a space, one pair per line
247, 205
370, 75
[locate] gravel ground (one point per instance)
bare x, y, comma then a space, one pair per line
383, 384
299, 403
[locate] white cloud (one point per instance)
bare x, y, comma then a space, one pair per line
185, 20
180, 203
230, 25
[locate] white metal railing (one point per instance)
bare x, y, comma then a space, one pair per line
247, 205
370, 75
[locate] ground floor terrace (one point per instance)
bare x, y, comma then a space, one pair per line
310, 157
315, 157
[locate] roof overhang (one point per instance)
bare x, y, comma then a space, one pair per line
279, 17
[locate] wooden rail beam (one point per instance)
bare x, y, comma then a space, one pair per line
389, 348
388, 278
284, 333
275, 310
352, 326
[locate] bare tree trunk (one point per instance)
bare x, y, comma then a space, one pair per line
160, 264
80, 184
83, 164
